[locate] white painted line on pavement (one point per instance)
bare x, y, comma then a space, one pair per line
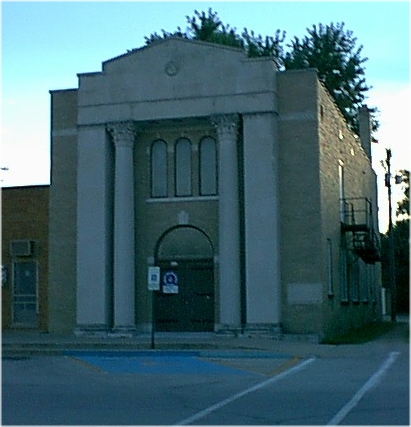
237, 396
372, 382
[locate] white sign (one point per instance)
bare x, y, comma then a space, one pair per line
170, 283
153, 279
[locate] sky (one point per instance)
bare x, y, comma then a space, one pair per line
46, 44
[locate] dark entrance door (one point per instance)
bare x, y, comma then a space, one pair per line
25, 308
192, 308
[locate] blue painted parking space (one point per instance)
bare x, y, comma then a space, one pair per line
164, 362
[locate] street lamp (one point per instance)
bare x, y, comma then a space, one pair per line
391, 246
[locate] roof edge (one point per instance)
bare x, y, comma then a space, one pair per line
176, 38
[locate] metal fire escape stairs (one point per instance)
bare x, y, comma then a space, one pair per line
357, 218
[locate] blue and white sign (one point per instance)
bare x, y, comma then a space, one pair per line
4, 275
153, 279
170, 283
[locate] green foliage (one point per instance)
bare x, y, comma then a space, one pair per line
401, 230
362, 334
331, 49
402, 264
403, 207
205, 27
208, 27
257, 46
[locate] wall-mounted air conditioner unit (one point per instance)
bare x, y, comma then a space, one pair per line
21, 248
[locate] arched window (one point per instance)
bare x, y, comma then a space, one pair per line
208, 167
159, 169
183, 167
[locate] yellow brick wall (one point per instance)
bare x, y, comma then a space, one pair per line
300, 209
63, 207
314, 137
339, 144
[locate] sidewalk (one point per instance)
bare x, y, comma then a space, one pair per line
28, 343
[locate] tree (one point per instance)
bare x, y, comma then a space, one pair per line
402, 264
203, 27
333, 52
403, 206
330, 49
208, 27
258, 46
401, 230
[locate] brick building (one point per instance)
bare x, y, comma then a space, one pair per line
242, 183
25, 257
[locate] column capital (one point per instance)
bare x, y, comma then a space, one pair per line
123, 133
225, 124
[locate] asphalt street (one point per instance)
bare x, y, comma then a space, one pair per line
348, 385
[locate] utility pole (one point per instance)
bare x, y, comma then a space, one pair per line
391, 247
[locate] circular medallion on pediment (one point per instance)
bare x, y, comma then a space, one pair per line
171, 68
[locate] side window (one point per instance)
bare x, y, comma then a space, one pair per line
330, 267
183, 167
159, 169
343, 272
208, 167
341, 185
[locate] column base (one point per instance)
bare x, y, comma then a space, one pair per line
144, 328
122, 331
93, 329
231, 330
263, 329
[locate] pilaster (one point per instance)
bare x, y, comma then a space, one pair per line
93, 246
261, 213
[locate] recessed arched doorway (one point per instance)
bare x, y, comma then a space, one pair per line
185, 303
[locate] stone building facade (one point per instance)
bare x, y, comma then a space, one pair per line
242, 183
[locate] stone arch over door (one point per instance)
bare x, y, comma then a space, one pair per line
186, 255
184, 242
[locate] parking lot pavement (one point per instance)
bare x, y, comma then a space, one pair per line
207, 387
26, 343
126, 387
225, 362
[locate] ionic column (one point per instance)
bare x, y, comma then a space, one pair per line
123, 135
229, 222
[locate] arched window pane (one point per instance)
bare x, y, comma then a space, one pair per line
208, 167
183, 167
159, 169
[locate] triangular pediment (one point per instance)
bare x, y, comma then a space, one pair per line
191, 75
177, 46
